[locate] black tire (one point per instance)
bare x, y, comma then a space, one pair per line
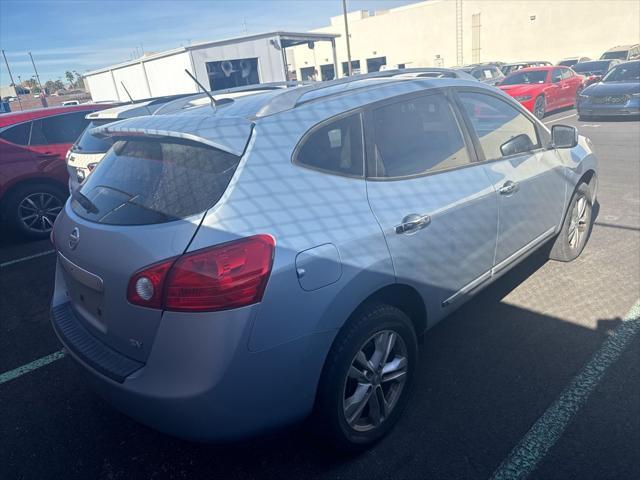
15, 212
329, 416
567, 247
540, 107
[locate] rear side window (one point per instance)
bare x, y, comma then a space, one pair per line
497, 124
142, 182
417, 136
88, 143
18, 134
58, 129
335, 147
556, 75
566, 73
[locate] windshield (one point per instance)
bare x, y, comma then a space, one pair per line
141, 182
530, 77
619, 54
627, 72
88, 143
588, 67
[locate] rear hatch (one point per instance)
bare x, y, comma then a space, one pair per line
142, 204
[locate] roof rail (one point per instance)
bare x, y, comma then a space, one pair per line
289, 99
182, 102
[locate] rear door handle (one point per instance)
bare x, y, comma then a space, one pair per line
412, 223
508, 188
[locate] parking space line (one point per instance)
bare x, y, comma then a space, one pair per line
561, 118
24, 259
30, 367
548, 429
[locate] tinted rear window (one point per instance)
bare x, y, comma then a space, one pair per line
619, 54
18, 134
142, 182
591, 67
58, 129
88, 143
532, 76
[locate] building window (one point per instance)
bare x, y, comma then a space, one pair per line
233, 73
374, 64
327, 72
355, 67
308, 74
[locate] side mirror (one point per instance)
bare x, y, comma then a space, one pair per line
518, 144
564, 136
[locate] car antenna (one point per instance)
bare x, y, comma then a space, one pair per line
131, 98
214, 104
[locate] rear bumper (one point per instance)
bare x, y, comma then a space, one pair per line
200, 380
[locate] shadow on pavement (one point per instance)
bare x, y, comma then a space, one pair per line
485, 375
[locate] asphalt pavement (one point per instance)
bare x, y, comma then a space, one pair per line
522, 377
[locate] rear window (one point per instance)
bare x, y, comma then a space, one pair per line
88, 143
140, 182
18, 134
58, 129
588, 67
619, 54
530, 77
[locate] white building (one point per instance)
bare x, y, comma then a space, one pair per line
221, 64
425, 34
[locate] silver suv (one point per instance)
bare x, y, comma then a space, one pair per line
226, 271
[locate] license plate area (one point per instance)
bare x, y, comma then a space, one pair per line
85, 293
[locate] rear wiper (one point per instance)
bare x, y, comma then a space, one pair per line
87, 204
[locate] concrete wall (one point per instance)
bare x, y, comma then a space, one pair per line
415, 34
166, 75
133, 78
101, 87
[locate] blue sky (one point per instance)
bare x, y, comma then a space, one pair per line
84, 35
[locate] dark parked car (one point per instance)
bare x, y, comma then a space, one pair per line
594, 70
617, 95
571, 61
33, 174
488, 73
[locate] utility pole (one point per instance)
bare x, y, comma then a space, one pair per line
36, 70
346, 33
11, 77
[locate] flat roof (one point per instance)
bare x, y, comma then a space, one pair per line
289, 39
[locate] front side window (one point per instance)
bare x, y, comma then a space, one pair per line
335, 147
141, 182
501, 128
18, 134
417, 136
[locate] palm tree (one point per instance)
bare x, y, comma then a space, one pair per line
69, 76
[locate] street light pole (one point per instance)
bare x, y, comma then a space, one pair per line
36, 70
346, 32
11, 77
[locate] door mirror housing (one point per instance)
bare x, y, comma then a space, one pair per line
564, 136
518, 144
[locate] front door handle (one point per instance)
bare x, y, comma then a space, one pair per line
412, 223
508, 188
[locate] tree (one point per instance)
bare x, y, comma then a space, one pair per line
79, 80
49, 87
69, 76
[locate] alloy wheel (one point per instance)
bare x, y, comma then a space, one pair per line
38, 211
375, 381
578, 224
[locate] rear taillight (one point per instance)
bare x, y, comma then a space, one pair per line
226, 276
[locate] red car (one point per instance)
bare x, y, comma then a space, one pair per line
33, 174
543, 89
